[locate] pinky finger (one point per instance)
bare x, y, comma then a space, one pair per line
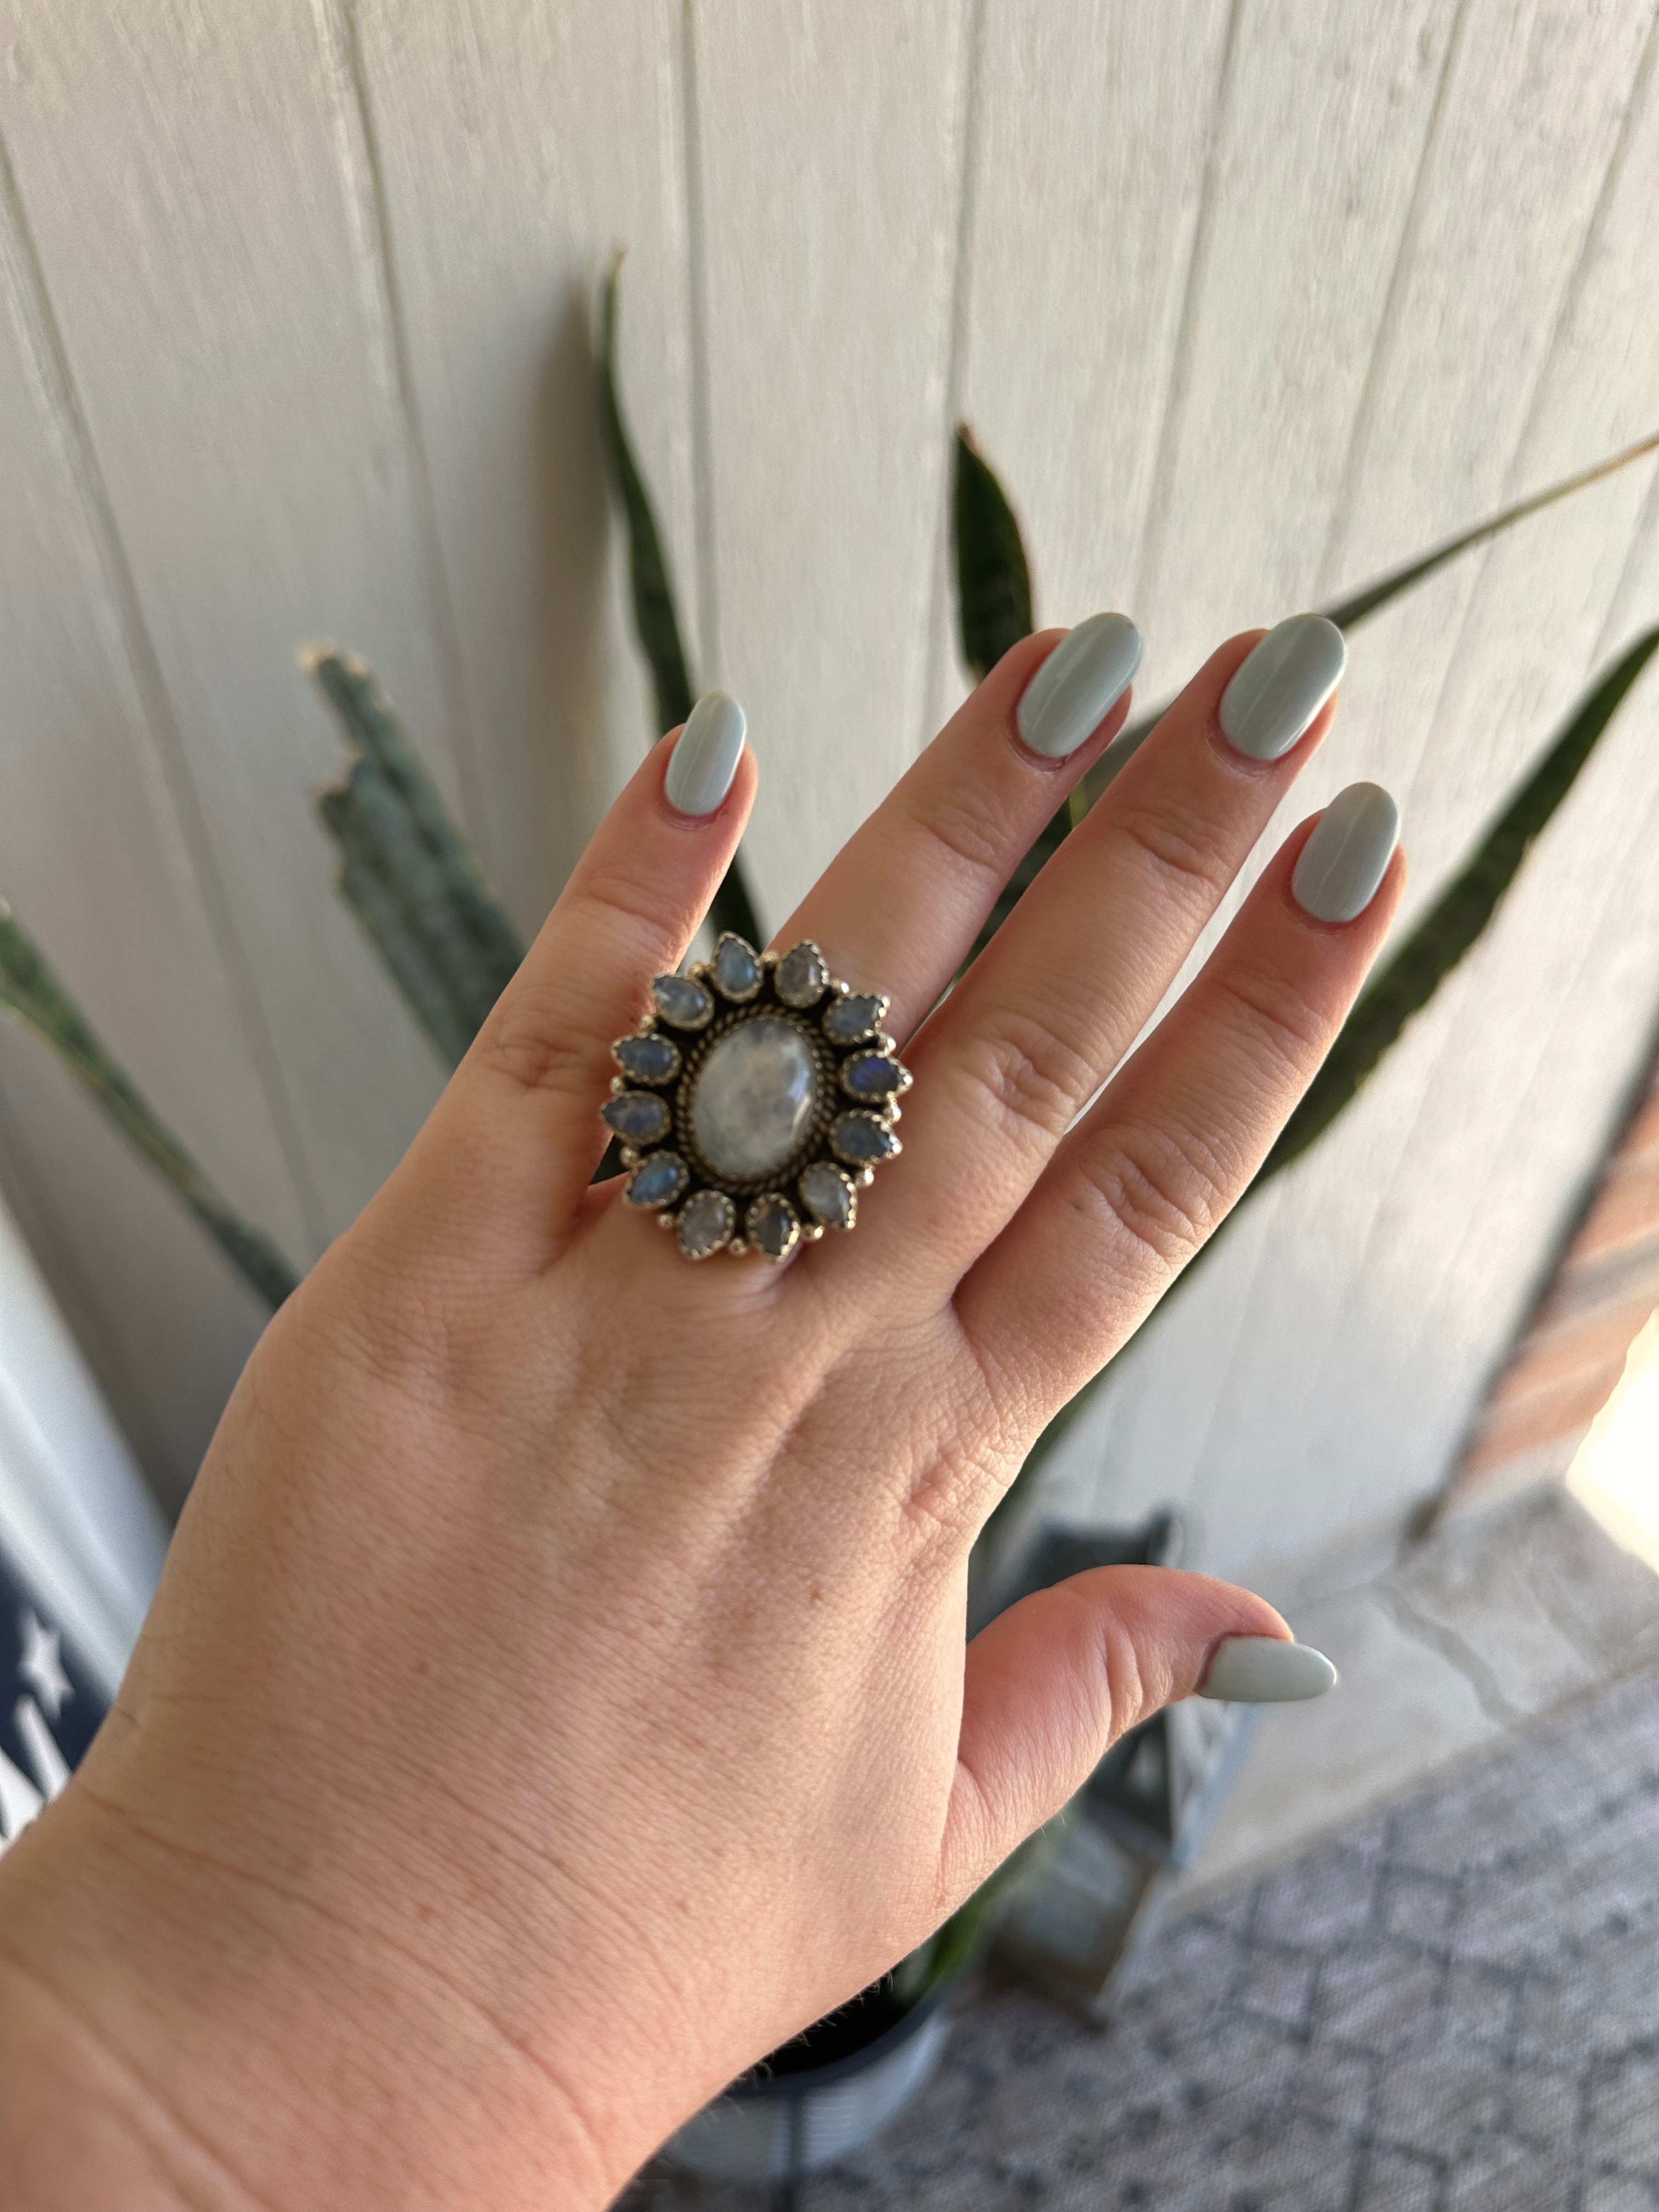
1168, 1148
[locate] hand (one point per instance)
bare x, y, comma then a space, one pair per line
556, 1693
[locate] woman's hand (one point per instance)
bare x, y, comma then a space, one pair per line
556, 1693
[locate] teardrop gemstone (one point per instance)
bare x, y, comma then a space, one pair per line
858, 1016
682, 1001
861, 1139
657, 1182
828, 1195
640, 1117
772, 1226
873, 1075
802, 979
647, 1058
737, 967
754, 1099
706, 1223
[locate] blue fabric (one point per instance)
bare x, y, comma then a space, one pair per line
49, 1707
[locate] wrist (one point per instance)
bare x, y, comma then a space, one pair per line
186, 2034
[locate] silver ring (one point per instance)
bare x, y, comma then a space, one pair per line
755, 1102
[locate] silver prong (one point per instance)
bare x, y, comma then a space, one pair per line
629, 1157
866, 1176
667, 1221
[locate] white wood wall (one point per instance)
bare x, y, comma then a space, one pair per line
1247, 300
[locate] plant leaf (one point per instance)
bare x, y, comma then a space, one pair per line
1410, 977
994, 581
1348, 614
656, 622
1403, 985
406, 871
31, 989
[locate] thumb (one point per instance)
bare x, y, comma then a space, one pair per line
1053, 1682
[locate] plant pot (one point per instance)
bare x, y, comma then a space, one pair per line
822, 2097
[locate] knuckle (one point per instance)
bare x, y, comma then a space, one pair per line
1181, 849
1035, 1078
1163, 1190
965, 826
1281, 1018
531, 1040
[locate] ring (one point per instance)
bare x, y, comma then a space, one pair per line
763, 1084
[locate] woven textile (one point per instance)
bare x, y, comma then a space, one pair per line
1451, 2007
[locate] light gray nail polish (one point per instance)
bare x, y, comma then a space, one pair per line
1278, 688
1079, 684
705, 760
1346, 857
1264, 1670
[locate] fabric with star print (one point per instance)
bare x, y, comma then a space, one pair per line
49, 1707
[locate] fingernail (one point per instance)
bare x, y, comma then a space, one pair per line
1266, 1670
1339, 867
1078, 685
705, 760
1278, 688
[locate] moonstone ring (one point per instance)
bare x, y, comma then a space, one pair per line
755, 1102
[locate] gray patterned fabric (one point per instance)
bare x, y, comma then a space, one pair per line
1453, 2007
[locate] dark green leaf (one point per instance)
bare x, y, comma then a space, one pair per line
406, 871
994, 583
656, 622
31, 989
1348, 614
1409, 979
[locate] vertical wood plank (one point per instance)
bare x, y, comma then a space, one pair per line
517, 149
1094, 135
95, 864
204, 261
829, 163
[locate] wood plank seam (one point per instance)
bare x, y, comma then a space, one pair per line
1393, 307
47, 356
363, 179
1155, 529
940, 625
706, 582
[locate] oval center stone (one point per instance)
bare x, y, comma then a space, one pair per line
754, 1099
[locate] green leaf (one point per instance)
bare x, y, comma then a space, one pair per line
993, 583
406, 871
31, 989
1406, 983
656, 622
1348, 614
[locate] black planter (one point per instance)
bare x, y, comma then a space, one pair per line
823, 2095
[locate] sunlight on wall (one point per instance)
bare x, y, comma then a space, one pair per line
1616, 1471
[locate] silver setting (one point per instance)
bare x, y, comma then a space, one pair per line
837, 1144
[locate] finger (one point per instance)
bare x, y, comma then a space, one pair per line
1053, 1683
1180, 1130
900, 906
1044, 1014
518, 1127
